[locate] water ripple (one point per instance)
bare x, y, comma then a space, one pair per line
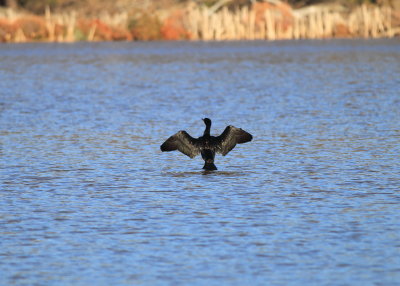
88, 198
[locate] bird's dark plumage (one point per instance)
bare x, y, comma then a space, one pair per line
207, 145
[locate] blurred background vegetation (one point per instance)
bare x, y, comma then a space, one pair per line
38, 6
112, 20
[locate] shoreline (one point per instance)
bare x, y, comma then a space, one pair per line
208, 42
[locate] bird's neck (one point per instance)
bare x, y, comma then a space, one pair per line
207, 130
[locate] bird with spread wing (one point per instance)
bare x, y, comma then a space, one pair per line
207, 145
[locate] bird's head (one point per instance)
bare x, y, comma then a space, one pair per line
207, 121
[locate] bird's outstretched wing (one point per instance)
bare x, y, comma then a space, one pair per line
183, 142
230, 137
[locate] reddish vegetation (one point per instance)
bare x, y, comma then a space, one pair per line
7, 30
280, 8
28, 28
33, 27
173, 27
342, 31
103, 32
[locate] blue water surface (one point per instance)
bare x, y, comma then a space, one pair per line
87, 197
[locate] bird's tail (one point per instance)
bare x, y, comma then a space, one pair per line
209, 165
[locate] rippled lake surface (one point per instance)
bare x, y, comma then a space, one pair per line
87, 197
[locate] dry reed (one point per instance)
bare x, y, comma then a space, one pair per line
311, 23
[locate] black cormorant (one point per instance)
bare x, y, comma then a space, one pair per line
207, 145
